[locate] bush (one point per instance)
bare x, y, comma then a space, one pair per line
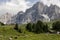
19, 30
29, 27
45, 28
56, 26
38, 27
16, 27
2, 24
33, 27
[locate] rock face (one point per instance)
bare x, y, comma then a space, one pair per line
38, 11
53, 12
33, 14
4, 18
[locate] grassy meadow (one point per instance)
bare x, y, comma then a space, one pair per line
8, 31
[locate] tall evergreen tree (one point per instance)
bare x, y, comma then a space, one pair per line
16, 27
39, 27
29, 27
45, 28
34, 27
56, 26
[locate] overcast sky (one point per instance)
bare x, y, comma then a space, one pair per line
13, 6
49, 2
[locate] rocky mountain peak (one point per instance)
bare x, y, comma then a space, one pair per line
38, 11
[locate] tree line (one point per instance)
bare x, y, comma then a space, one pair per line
41, 27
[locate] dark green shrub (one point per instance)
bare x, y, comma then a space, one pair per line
45, 28
2, 24
56, 26
33, 27
29, 27
16, 27
38, 27
19, 30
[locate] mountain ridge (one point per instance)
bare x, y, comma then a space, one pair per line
38, 11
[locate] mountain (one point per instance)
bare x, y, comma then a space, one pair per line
53, 12
4, 18
33, 14
38, 11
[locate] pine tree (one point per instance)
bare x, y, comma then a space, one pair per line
45, 28
56, 26
16, 27
39, 27
29, 27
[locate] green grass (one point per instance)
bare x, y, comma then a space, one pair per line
8, 31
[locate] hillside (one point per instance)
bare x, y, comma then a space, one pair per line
7, 32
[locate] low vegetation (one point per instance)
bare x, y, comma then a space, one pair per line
56, 26
31, 31
41, 27
38, 27
2, 24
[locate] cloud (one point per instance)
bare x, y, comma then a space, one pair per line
49, 2
4, 1
13, 6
